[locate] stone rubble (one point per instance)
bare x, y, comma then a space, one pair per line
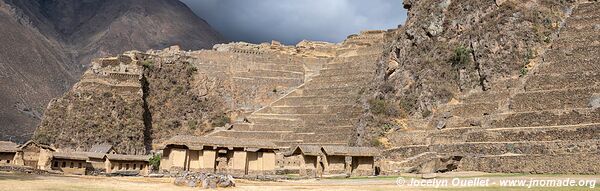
204, 180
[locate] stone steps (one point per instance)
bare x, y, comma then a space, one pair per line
273, 120
315, 100
272, 73
345, 71
312, 109
575, 53
210, 67
500, 148
294, 121
547, 118
576, 38
573, 66
458, 121
312, 118
560, 81
268, 135
472, 109
589, 8
326, 129
486, 96
248, 81
587, 32
336, 84
262, 127
376, 49
583, 19
348, 90
577, 163
269, 66
353, 64
344, 78
335, 138
553, 99
360, 58
322, 111
578, 132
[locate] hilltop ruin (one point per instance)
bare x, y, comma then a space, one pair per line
500, 86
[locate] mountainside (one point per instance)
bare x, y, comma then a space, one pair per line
493, 86
504, 86
449, 50
135, 101
47, 44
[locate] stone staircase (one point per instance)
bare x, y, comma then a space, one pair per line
321, 111
545, 122
255, 80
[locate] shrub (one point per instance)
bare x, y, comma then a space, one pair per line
387, 127
193, 124
461, 57
191, 70
155, 161
383, 107
107, 94
220, 121
523, 71
148, 63
376, 143
426, 113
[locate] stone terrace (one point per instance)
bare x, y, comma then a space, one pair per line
545, 122
324, 109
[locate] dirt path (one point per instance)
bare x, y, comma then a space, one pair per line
26, 182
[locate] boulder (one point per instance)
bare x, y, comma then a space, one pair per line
204, 180
595, 101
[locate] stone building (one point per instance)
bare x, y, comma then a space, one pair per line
8, 153
241, 157
101, 158
356, 161
70, 163
304, 158
331, 160
82, 163
36, 155
221, 155
127, 163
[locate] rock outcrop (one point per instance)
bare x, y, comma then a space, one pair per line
47, 45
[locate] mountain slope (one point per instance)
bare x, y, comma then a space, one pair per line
47, 44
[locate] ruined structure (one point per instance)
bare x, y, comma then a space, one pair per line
142, 99
255, 157
504, 86
324, 109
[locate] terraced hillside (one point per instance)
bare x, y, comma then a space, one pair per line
137, 100
324, 109
546, 121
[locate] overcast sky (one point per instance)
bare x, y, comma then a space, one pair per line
291, 21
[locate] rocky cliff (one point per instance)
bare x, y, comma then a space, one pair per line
47, 45
493, 86
451, 49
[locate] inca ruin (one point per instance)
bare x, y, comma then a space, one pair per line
461, 89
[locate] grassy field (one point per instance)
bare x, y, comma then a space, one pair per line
27, 182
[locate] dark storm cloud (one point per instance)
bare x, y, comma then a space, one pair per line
290, 21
